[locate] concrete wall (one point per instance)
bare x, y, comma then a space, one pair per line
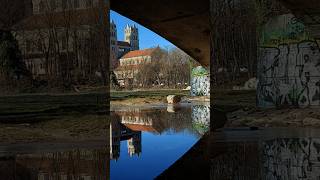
201, 118
288, 65
291, 158
285, 159
200, 82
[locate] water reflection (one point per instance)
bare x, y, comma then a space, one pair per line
285, 158
119, 132
146, 141
296, 158
156, 142
72, 164
201, 118
142, 143
128, 123
282, 156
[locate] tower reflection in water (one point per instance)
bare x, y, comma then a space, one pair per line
128, 124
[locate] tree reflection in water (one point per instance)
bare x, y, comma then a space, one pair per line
94, 163
75, 164
128, 123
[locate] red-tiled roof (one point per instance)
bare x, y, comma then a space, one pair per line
137, 53
123, 43
136, 127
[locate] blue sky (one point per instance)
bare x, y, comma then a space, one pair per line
147, 38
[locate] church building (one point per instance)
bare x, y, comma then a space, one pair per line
120, 48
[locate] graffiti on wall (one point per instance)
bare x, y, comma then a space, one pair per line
296, 158
201, 118
288, 65
274, 159
283, 29
200, 82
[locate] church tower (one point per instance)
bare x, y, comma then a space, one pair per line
131, 35
113, 34
113, 45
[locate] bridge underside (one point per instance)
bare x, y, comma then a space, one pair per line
186, 23
183, 22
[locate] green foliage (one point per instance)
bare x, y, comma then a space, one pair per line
277, 33
200, 128
199, 72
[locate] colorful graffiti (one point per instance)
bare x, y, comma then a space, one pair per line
283, 29
200, 82
201, 118
288, 65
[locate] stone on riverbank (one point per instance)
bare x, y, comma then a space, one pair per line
173, 99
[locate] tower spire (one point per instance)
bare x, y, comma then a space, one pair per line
131, 36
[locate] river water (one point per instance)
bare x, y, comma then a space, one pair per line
169, 142
146, 141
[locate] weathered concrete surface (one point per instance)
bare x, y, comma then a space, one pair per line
186, 23
183, 22
288, 65
308, 12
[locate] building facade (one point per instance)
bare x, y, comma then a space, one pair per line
130, 64
64, 40
58, 40
120, 48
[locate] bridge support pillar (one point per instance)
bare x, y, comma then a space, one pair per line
200, 81
288, 64
277, 49
233, 40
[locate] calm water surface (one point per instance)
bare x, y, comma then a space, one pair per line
146, 141
140, 143
155, 142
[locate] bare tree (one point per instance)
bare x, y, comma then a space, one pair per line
74, 43
233, 39
170, 69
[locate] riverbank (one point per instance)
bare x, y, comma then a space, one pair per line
58, 129
32, 105
82, 116
289, 117
73, 117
